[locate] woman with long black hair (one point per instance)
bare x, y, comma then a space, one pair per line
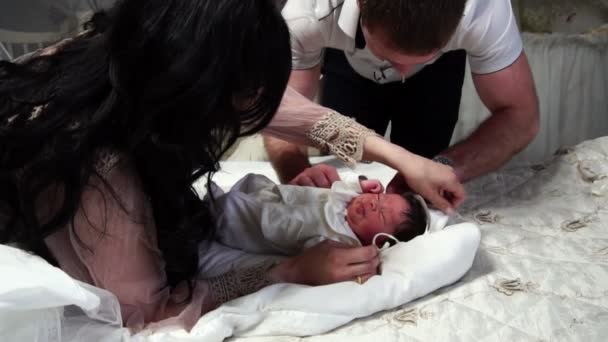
103, 135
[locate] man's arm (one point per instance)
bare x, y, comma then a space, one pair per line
288, 159
510, 95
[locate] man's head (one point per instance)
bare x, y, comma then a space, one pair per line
402, 216
409, 32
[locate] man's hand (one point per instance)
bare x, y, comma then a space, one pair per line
320, 176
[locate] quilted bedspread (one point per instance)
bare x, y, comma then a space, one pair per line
541, 273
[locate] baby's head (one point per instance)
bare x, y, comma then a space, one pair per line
402, 216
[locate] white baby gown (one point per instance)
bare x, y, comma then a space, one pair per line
260, 216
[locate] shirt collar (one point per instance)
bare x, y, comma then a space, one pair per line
349, 18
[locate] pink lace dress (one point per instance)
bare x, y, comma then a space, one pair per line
125, 258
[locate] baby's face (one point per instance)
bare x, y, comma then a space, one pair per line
370, 214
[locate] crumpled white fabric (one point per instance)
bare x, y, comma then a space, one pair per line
39, 302
409, 270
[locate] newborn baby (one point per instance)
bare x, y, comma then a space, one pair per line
260, 216
372, 212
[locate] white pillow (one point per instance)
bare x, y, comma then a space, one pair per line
29, 282
33, 298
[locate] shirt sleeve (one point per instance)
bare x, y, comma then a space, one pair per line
308, 36
490, 35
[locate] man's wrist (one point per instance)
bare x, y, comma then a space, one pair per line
441, 159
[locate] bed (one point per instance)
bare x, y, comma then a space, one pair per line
541, 273
542, 270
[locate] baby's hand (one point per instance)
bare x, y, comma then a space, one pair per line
371, 186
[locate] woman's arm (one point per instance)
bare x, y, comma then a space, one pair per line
302, 121
326, 263
436, 182
114, 236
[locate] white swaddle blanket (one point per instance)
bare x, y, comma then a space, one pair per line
409, 270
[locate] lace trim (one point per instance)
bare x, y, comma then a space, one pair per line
105, 161
241, 282
341, 136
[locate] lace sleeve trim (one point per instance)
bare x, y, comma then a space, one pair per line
106, 160
341, 136
240, 282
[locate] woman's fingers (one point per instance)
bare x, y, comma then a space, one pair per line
355, 270
446, 201
455, 195
330, 262
450, 195
440, 202
357, 255
364, 278
354, 261
439, 185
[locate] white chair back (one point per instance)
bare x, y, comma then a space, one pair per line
14, 44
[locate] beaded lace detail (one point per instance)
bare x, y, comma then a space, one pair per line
240, 282
106, 160
341, 136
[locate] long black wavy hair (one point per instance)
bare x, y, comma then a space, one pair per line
170, 84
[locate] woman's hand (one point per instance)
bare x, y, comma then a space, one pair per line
435, 182
327, 263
